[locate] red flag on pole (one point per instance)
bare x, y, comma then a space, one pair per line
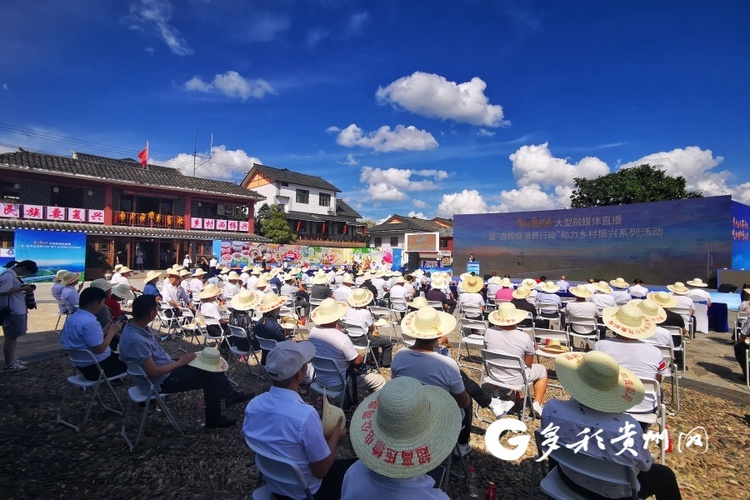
299, 223
143, 156
324, 228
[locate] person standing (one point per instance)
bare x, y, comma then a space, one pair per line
13, 302
139, 259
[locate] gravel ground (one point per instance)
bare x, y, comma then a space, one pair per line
42, 459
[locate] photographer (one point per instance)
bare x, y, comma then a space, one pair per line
13, 309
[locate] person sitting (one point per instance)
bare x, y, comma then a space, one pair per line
232, 285
520, 296
115, 278
69, 294
436, 294
243, 305
380, 285
602, 297
149, 281
293, 288
547, 295
433, 421
741, 349
197, 282
57, 286
621, 294
170, 293
83, 331
210, 310
421, 361
336, 345
124, 279
506, 338
630, 327
494, 284
117, 294
358, 300
138, 345
666, 301
471, 301
280, 421
601, 391
563, 284
104, 316
505, 292
398, 291
341, 294
580, 309
657, 315
637, 290
320, 289
268, 326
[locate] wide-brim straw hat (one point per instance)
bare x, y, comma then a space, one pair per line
233, 276
746, 290
594, 379
320, 278
428, 323
257, 270
125, 269
58, 274
379, 274
410, 420
348, 278
549, 287
117, 268
123, 291
472, 284
199, 272
603, 287
554, 347
152, 275
246, 269
329, 311
506, 314
417, 273
697, 282
330, 416
274, 271
270, 302
495, 280
664, 299
400, 280
679, 288
580, 291
628, 321
67, 278
209, 291
184, 273
619, 283
438, 283
101, 284
262, 281
419, 303
367, 276
173, 272
178, 267
529, 283
464, 276
506, 283
651, 310
246, 300
360, 297
521, 293
210, 360
289, 277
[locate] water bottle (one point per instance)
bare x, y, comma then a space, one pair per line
490, 493
473, 488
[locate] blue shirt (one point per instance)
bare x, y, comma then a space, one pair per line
150, 289
83, 331
137, 345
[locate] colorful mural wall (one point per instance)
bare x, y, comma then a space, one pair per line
241, 253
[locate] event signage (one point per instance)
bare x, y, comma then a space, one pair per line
51, 250
219, 224
9, 209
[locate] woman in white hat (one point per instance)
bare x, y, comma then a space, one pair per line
358, 301
471, 301
149, 283
232, 285
620, 292
268, 326
243, 305
332, 343
601, 391
69, 294
57, 287
124, 278
390, 415
293, 288
210, 310
505, 337
631, 327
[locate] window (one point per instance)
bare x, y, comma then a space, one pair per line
166, 207
443, 244
284, 184
303, 196
324, 200
378, 242
394, 241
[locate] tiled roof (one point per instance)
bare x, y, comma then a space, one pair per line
285, 175
134, 231
344, 210
292, 215
125, 171
410, 224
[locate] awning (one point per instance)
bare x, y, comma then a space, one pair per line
128, 231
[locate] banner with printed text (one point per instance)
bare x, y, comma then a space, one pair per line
52, 251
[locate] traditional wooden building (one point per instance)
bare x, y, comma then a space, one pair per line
314, 212
124, 208
391, 234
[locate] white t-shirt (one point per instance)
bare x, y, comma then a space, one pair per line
196, 285
602, 301
379, 283
361, 316
471, 300
638, 291
361, 482
513, 343
430, 368
699, 292
336, 345
342, 293
210, 310
230, 290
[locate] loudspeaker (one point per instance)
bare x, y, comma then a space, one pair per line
413, 261
727, 288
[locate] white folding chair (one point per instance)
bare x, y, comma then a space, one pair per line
172, 323
238, 332
144, 391
62, 314
436, 304
550, 312
357, 332
207, 335
265, 345
188, 328
676, 332
700, 305
330, 368
278, 469
599, 469
657, 416
81, 382
468, 339
687, 316
583, 329
738, 323
667, 351
384, 313
495, 360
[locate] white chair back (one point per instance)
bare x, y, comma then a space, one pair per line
279, 470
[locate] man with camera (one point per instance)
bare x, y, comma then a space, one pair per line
14, 308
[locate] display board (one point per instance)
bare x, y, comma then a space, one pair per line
52, 251
421, 242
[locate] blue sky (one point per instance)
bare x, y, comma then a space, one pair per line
425, 107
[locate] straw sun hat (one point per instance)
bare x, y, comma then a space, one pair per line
495, 280
199, 272
521, 293
679, 288
650, 310
331, 415
472, 284
619, 283
529, 283
549, 287
125, 270
67, 278
697, 282
329, 311
427, 323
628, 321
663, 299
360, 297
58, 274
580, 291
262, 281
437, 283
594, 379
210, 360
152, 275
603, 287
419, 303
320, 278
210, 291
506, 314
554, 347
418, 425
270, 302
506, 283
246, 300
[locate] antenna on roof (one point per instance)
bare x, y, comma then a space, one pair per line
195, 152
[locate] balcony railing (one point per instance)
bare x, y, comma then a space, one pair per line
149, 219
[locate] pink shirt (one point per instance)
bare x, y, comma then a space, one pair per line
504, 294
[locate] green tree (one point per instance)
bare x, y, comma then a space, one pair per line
640, 184
275, 227
263, 214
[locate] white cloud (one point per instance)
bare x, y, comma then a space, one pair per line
391, 184
351, 161
417, 215
419, 203
231, 84
264, 27
356, 23
465, 202
434, 96
158, 13
526, 198
224, 164
536, 165
385, 140
483, 132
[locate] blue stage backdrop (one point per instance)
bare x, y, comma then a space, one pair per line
659, 242
740, 236
52, 251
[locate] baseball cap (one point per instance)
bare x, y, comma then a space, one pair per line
287, 358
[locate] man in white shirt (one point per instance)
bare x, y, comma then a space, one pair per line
358, 313
401, 296
620, 292
197, 282
115, 279
379, 283
170, 293
232, 285
341, 294
281, 422
637, 290
564, 285
471, 302
293, 289
697, 290
581, 309
245, 275
602, 297
252, 280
